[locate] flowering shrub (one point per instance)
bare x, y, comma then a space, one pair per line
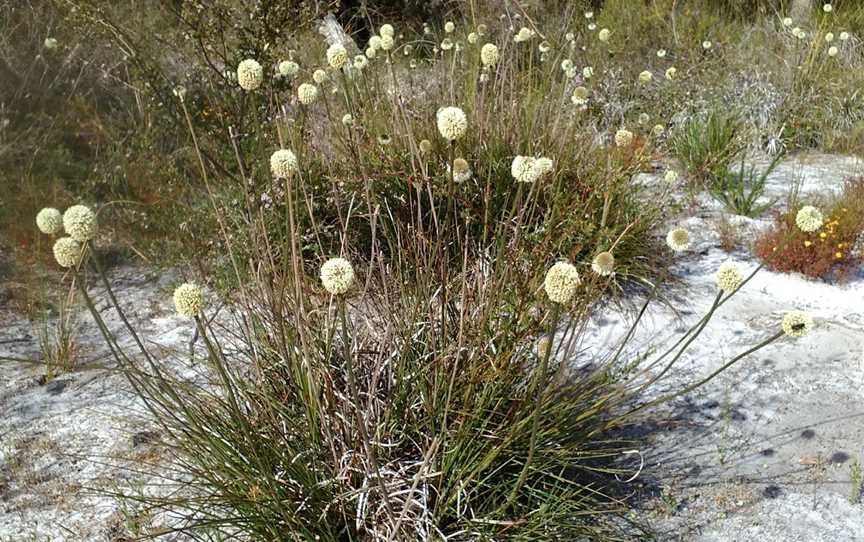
832, 249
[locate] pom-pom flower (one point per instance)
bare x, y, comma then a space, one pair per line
307, 93
473, 37
671, 176
523, 35
425, 146
587, 72
527, 169
658, 130
446, 44
360, 62
449, 27
670, 73
461, 170
623, 137
787, 21
580, 96
832, 51
489, 54
337, 275
797, 324
319, 76
603, 264
348, 119
386, 43
707, 45
49, 221
678, 239
561, 282
337, 56
188, 300
844, 36
809, 219
67, 252
827, 8
50, 43
80, 223
604, 35
283, 163
250, 75
288, 68
387, 31
452, 123
645, 77
728, 277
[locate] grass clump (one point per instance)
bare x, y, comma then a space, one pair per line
740, 191
707, 145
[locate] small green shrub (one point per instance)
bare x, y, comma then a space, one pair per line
740, 191
706, 145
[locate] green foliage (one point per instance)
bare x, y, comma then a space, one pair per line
740, 191
706, 145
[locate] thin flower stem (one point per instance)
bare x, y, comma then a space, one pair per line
538, 386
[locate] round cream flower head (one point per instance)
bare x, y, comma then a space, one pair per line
644, 118
288, 68
307, 93
425, 146
827, 8
461, 170
371, 52
671, 176
832, 51
524, 35
561, 282
658, 130
844, 36
188, 300
787, 21
387, 30
587, 72
728, 277
319, 76
348, 119
566, 65
337, 275
489, 54
386, 43
360, 62
661, 53
375, 42
604, 34
678, 239
603, 264
645, 77
49, 221
79, 223
580, 96
544, 47
337, 56
452, 123
67, 252
250, 75
473, 37
707, 45
829, 37
449, 27
809, 219
797, 324
623, 138
283, 164
671, 72
50, 43
446, 44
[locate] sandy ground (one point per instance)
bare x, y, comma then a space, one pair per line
765, 451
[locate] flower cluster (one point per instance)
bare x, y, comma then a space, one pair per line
528, 169
452, 123
561, 282
250, 74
